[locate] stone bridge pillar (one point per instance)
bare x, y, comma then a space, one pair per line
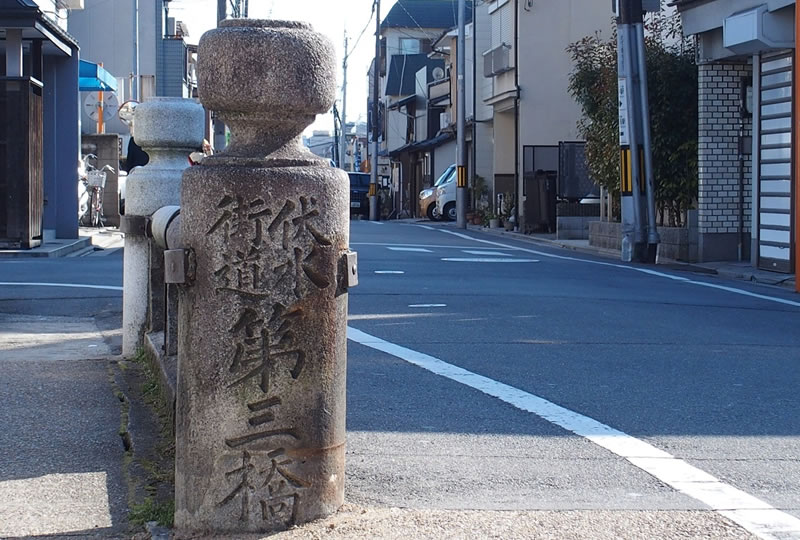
168, 129
260, 419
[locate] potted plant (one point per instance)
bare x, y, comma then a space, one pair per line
507, 211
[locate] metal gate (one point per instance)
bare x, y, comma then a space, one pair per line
775, 164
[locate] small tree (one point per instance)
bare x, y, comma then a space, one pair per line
672, 89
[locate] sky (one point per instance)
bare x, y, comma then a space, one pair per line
329, 17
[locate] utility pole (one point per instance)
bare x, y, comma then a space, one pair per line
219, 126
639, 238
222, 11
343, 142
135, 85
376, 84
246, 9
336, 129
461, 154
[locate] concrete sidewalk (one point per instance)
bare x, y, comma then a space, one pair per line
61, 461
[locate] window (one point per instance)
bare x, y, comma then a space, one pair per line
409, 46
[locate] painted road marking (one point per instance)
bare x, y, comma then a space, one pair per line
373, 222
486, 253
426, 227
414, 249
68, 285
426, 305
485, 260
429, 246
752, 513
389, 272
733, 290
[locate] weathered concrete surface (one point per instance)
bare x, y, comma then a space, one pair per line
61, 458
262, 346
260, 415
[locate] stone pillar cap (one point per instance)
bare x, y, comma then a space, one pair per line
267, 79
169, 122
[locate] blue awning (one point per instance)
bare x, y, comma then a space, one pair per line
95, 78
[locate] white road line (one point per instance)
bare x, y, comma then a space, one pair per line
656, 273
485, 260
414, 249
68, 285
374, 222
752, 513
430, 246
486, 253
389, 272
426, 227
426, 305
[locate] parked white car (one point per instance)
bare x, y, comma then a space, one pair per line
446, 194
427, 197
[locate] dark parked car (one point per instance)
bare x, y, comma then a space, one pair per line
359, 193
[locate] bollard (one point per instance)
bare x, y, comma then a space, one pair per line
168, 129
262, 327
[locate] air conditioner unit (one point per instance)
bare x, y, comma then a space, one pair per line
497, 60
70, 4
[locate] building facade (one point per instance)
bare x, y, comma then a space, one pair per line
41, 58
407, 161
747, 158
526, 77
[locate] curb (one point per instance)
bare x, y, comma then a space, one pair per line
48, 249
785, 281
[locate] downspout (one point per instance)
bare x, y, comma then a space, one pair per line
742, 154
755, 154
795, 112
517, 190
473, 157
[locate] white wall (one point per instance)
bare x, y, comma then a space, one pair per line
548, 114
421, 120
395, 129
49, 8
104, 30
443, 157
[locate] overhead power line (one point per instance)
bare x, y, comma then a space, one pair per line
353, 48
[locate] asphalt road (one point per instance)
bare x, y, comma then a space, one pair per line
558, 381
705, 374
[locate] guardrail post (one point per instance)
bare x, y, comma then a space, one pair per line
260, 415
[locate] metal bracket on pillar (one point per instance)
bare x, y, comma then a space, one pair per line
350, 263
179, 266
135, 225
347, 275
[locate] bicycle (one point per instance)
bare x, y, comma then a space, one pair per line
94, 181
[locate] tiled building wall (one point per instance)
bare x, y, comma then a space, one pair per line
718, 152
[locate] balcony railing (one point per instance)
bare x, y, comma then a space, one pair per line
439, 90
497, 60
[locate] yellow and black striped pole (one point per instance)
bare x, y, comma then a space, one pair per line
461, 123
634, 246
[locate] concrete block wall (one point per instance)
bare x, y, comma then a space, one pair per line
718, 160
677, 243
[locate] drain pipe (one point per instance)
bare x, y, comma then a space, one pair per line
740, 225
